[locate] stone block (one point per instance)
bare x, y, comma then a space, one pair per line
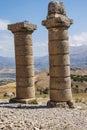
21, 100
22, 39
24, 82
26, 93
24, 60
57, 22
22, 27
58, 34
62, 71
58, 47
23, 50
59, 60
25, 71
60, 83
62, 95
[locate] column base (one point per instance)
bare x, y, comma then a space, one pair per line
68, 104
19, 100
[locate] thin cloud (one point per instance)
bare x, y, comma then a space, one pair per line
78, 40
6, 39
3, 24
40, 48
6, 44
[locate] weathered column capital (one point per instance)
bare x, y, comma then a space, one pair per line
60, 21
22, 27
57, 16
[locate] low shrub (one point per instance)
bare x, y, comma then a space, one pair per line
44, 90
78, 100
34, 101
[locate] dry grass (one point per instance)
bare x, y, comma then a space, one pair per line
80, 97
42, 81
11, 87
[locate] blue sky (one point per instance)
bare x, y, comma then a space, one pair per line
34, 11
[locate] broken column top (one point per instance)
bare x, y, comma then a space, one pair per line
57, 16
22, 26
55, 8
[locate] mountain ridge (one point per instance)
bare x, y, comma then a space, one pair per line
78, 59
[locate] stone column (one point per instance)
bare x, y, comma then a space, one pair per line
57, 24
25, 90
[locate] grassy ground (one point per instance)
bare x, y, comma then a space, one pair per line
11, 87
80, 97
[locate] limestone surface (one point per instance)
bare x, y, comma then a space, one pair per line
39, 117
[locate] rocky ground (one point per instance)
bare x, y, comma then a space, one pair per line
39, 117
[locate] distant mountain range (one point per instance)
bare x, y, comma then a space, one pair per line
78, 59
7, 62
78, 56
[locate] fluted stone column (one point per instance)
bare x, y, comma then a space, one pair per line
25, 90
57, 24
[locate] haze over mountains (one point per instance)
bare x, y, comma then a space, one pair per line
7, 62
78, 58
